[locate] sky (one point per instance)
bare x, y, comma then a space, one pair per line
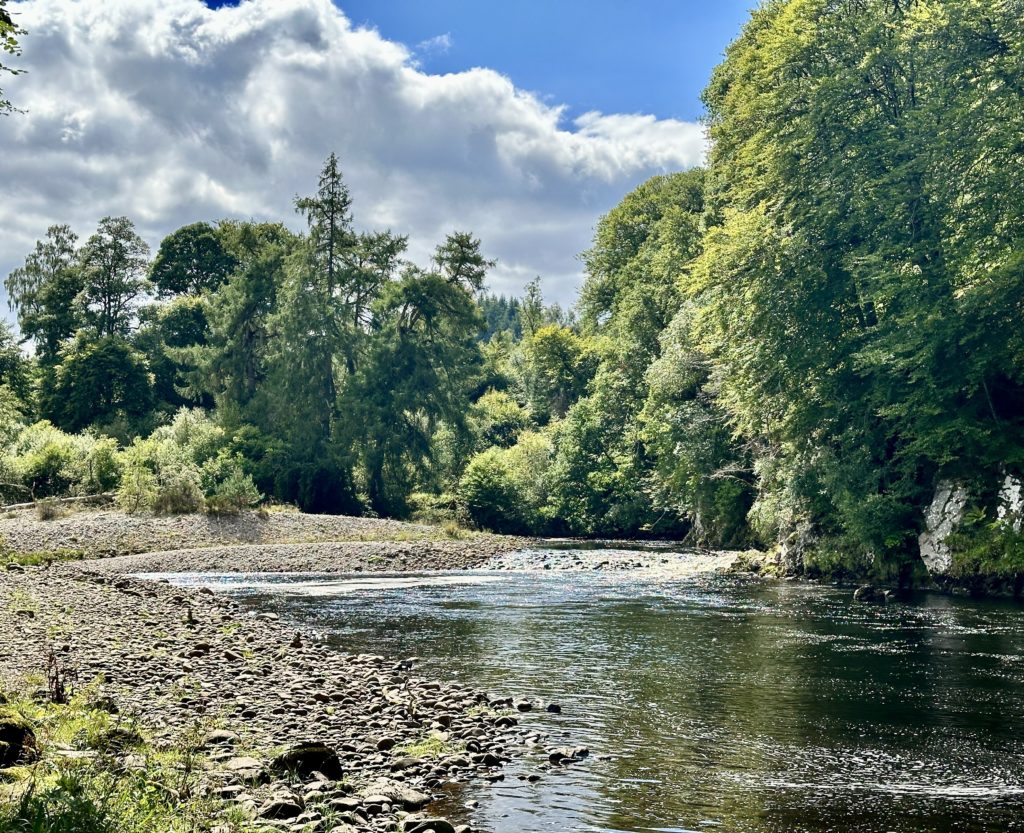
520, 121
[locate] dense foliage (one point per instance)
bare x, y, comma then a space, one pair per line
791, 347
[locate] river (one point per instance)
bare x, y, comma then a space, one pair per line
709, 702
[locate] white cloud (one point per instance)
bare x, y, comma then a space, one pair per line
435, 45
170, 112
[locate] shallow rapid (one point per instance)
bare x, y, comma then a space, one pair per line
710, 702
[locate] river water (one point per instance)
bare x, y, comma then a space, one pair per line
709, 702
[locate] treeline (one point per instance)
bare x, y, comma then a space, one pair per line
328, 360
796, 346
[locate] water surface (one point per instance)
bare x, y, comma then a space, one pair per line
721, 703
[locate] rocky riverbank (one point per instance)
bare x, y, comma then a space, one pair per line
290, 734
96, 534
367, 737
333, 557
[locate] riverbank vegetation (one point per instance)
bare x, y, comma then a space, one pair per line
791, 347
77, 766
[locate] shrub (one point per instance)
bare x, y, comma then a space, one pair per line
43, 461
235, 493
179, 493
429, 508
159, 476
186, 466
506, 490
137, 490
48, 509
489, 494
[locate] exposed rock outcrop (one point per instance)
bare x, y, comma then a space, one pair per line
942, 517
1011, 502
794, 547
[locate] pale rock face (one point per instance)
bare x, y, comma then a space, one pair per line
943, 516
794, 546
1011, 502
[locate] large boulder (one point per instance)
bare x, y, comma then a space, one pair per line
17, 739
942, 517
307, 758
871, 595
246, 769
397, 793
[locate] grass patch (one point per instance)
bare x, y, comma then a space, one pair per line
455, 531
483, 710
43, 558
432, 745
99, 773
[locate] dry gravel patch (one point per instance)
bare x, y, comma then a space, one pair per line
112, 532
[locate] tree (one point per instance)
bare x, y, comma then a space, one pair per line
699, 472
233, 362
329, 215
313, 308
558, 367
45, 290
9, 32
190, 261
15, 368
532, 313
501, 315
114, 262
104, 381
458, 258
498, 420
373, 262
420, 371
641, 249
166, 333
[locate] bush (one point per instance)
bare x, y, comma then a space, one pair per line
429, 508
137, 490
179, 493
159, 476
235, 493
506, 490
489, 494
43, 461
161, 473
48, 509
186, 467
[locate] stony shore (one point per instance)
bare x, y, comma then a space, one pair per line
334, 557
106, 533
368, 739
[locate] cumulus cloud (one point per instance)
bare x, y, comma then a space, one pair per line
169, 112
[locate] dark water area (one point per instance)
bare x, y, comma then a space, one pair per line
711, 702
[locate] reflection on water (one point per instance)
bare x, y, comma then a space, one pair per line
724, 704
